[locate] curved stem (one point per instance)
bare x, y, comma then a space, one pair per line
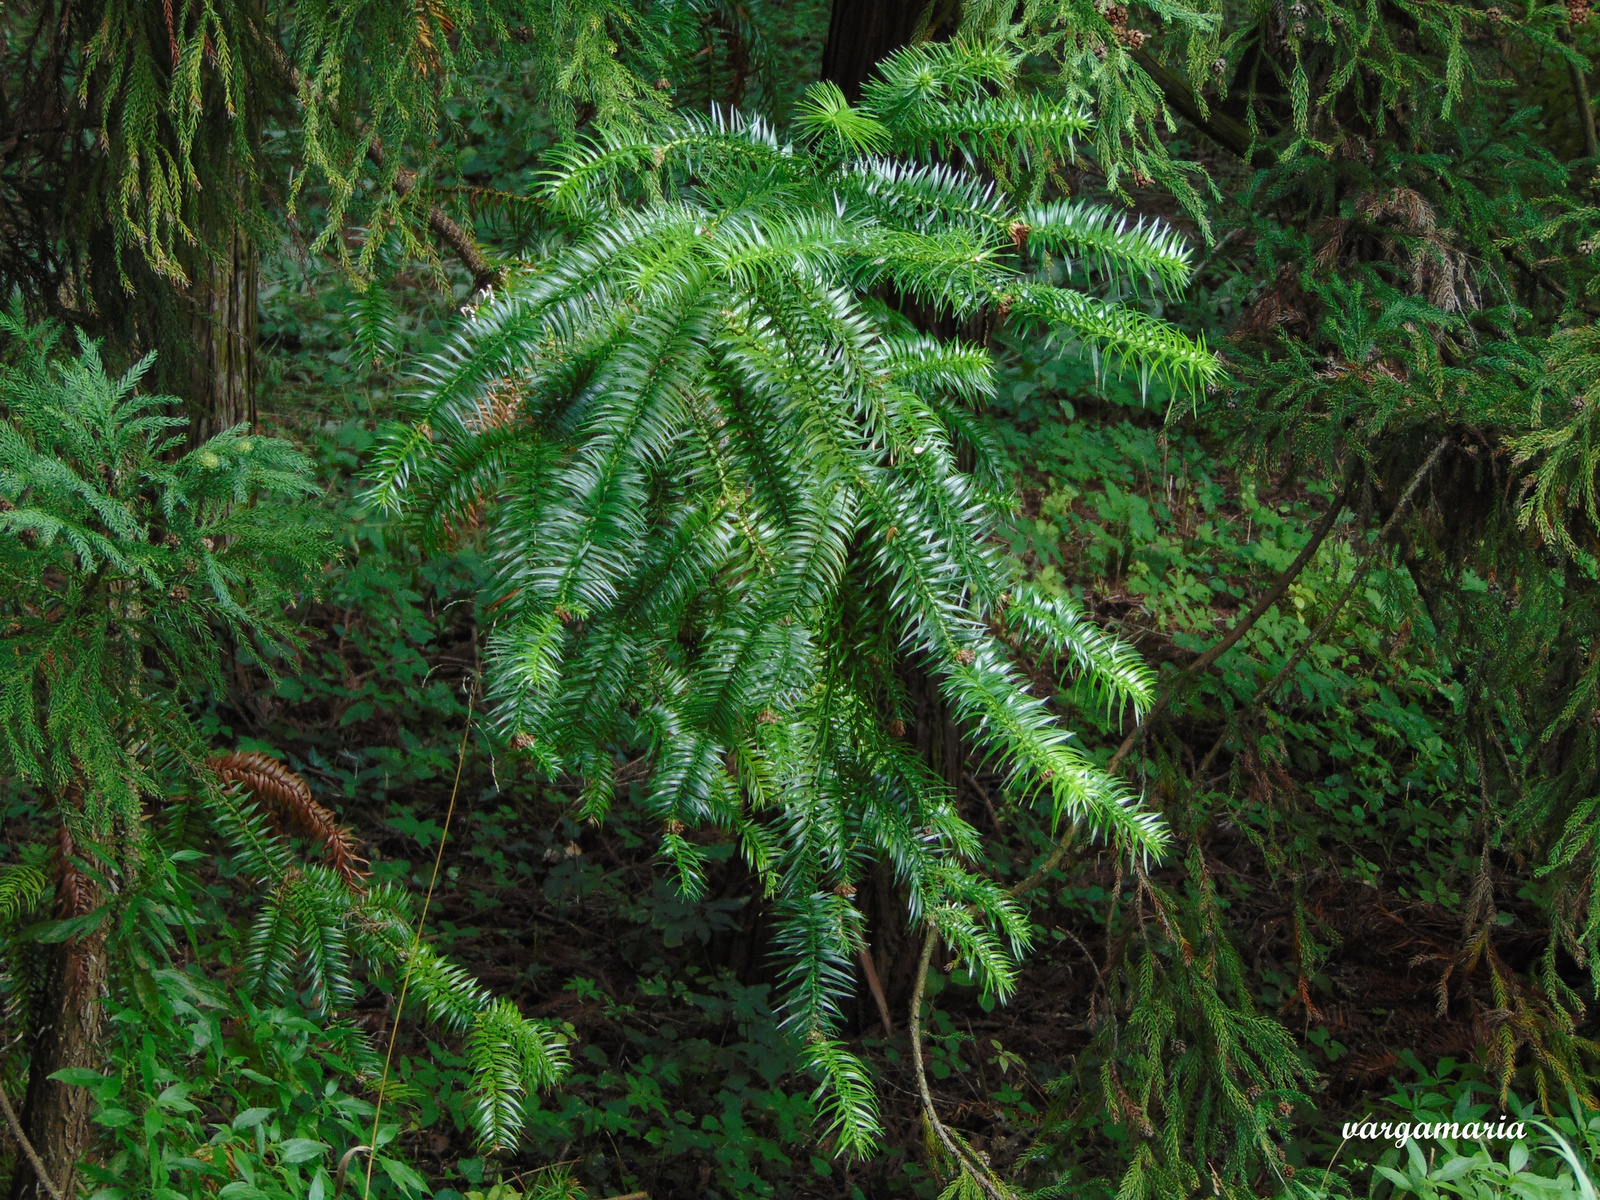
1360, 573
344, 1166
1049, 864
914, 1025
30, 1153
1241, 627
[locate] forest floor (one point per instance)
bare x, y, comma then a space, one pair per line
681, 1084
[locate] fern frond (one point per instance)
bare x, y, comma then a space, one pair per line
269, 780
22, 885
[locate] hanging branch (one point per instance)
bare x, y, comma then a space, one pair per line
1326, 623
484, 273
1582, 104
1241, 627
1229, 133
31, 1154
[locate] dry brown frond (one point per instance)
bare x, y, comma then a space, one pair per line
499, 407
288, 797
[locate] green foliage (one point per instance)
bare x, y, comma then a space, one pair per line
1358, 754
715, 463
177, 96
1181, 1066
749, 508
391, 65
314, 929
211, 1090
1093, 52
123, 568
1544, 1153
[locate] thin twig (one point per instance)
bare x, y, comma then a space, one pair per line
966, 1161
27, 1148
1582, 104
1241, 627
1049, 864
988, 801
416, 941
1367, 559
876, 987
1223, 644
1366, 562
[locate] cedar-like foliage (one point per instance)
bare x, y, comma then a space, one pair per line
124, 562
141, 115
123, 566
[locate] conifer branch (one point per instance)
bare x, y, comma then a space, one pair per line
1227, 132
1242, 626
697, 407
1271, 596
1582, 103
1403, 505
484, 273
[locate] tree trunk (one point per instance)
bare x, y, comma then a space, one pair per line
221, 301
861, 33
55, 1115
223, 355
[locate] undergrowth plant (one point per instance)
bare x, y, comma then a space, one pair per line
129, 573
1522, 1149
